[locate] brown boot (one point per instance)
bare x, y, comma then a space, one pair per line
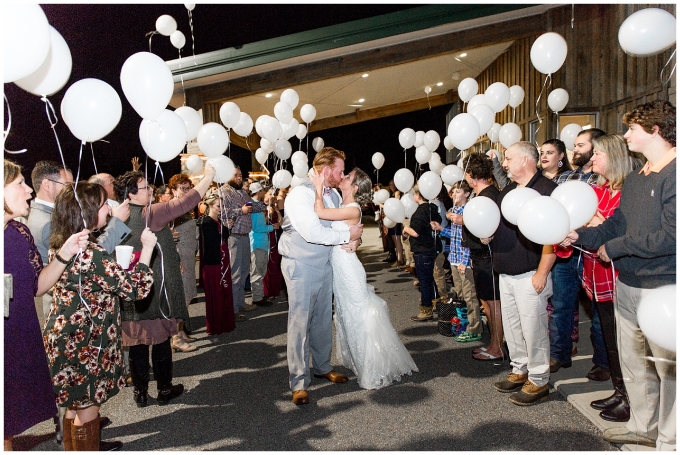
88, 438
68, 437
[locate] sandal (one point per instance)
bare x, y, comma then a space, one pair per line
486, 356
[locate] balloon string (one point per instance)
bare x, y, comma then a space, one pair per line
181, 76
191, 26
5, 133
672, 71
428, 101
538, 100
93, 160
156, 172
75, 188
53, 123
404, 157
163, 288
229, 141
514, 111
307, 146
146, 177
572, 15
150, 35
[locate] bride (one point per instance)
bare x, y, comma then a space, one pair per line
367, 342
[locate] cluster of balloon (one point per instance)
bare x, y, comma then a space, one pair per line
166, 25
300, 168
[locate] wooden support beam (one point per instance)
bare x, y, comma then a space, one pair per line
384, 111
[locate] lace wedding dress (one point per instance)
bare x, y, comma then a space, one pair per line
366, 341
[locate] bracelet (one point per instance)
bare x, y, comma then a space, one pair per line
60, 259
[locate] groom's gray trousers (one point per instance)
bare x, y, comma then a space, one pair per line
310, 317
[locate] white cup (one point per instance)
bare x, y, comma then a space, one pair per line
124, 255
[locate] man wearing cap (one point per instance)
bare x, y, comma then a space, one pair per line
259, 247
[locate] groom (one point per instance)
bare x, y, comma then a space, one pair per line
306, 246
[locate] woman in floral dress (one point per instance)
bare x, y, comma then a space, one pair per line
82, 332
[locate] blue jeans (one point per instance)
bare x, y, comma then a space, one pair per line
425, 274
566, 278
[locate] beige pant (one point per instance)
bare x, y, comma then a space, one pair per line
440, 276
408, 256
650, 385
258, 269
464, 285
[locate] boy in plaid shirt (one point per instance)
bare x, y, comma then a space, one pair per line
459, 257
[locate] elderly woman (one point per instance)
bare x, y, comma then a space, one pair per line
28, 392
82, 334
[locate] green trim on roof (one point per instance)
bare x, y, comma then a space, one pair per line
332, 37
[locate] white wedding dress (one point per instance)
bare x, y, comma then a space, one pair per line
366, 341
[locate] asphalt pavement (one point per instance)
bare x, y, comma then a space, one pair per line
237, 395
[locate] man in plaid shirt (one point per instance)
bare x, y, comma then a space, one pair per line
237, 206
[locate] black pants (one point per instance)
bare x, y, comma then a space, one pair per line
161, 360
608, 323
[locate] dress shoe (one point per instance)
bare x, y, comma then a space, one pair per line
598, 373
263, 302
555, 365
140, 397
617, 413
333, 376
622, 435
168, 393
605, 403
300, 397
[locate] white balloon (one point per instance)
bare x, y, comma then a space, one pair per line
230, 114
463, 131
516, 96
378, 159
436, 164
656, 316
509, 134
569, 133
258, 124
281, 179
410, 205
266, 146
290, 97
403, 180
298, 156
25, 39
283, 112
476, 100
190, 6
484, 115
261, 155
147, 84
497, 96
647, 32
428, 89
429, 185
192, 121
301, 131
271, 129
467, 89
317, 144
54, 72
548, 52
224, 167
481, 217
244, 126
91, 109
166, 25
308, 113
381, 196
579, 199
558, 99
283, 149
431, 140
494, 132
514, 200
543, 220
177, 39
194, 164
388, 223
394, 210
163, 139
420, 137
291, 129
295, 181
300, 169
448, 145
423, 155
407, 138
452, 174
212, 139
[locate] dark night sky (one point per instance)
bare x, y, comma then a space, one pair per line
101, 37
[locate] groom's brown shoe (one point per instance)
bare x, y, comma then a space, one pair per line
333, 376
300, 397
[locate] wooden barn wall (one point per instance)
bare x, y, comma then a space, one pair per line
597, 74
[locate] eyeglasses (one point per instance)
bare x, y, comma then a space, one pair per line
60, 183
183, 188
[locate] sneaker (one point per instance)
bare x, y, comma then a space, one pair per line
249, 307
622, 435
530, 394
514, 382
467, 337
425, 314
240, 317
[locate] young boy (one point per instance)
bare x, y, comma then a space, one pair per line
459, 257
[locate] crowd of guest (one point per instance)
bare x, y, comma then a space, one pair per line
106, 325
